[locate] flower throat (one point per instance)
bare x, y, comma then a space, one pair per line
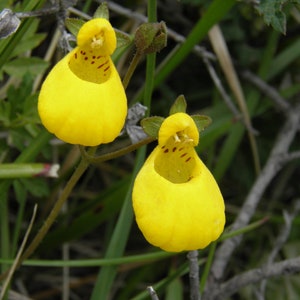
176, 161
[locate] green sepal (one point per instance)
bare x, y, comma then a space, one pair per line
102, 11
123, 39
179, 105
123, 43
201, 121
74, 25
152, 125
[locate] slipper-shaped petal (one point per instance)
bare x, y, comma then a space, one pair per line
82, 100
176, 200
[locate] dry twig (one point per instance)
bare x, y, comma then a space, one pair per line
276, 161
220, 47
18, 257
268, 90
152, 293
286, 267
194, 275
279, 242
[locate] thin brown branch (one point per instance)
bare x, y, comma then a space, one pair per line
12, 295
18, 257
271, 168
285, 231
228, 101
38, 13
286, 267
221, 50
280, 240
291, 156
194, 275
268, 90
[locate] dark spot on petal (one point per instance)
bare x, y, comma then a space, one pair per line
86, 58
163, 147
187, 159
94, 56
166, 151
184, 154
174, 149
106, 68
75, 55
92, 62
180, 149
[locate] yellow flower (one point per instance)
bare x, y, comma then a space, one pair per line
176, 200
82, 101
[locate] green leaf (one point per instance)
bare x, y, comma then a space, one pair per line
20, 66
124, 41
271, 10
175, 290
151, 125
36, 186
74, 25
18, 136
119, 238
29, 43
13, 110
5, 113
201, 121
98, 211
102, 11
179, 105
30, 113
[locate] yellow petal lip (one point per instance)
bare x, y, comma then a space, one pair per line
79, 111
98, 33
178, 217
82, 100
178, 123
177, 203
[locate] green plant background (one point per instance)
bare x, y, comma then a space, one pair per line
94, 245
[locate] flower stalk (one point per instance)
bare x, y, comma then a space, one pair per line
112, 155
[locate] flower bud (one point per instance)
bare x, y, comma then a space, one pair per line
151, 37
